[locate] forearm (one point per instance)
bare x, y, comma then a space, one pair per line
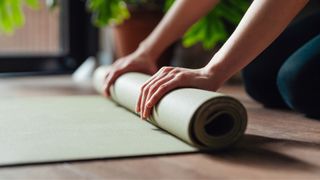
178, 19
262, 24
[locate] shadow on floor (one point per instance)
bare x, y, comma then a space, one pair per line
261, 152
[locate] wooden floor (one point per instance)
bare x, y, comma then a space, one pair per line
277, 144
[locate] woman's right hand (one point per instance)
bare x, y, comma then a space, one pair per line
138, 61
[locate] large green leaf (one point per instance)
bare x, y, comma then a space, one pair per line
211, 29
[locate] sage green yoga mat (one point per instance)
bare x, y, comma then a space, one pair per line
54, 129
49, 129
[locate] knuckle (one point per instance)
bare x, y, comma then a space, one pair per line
117, 72
149, 106
180, 76
152, 101
166, 69
174, 71
162, 69
153, 89
144, 87
145, 91
163, 87
155, 99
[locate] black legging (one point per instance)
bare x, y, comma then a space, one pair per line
287, 73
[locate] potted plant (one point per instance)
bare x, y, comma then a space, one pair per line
204, 38
210, 30
11, 14
217, 25
132, 21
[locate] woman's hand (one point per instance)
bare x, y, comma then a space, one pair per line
169, 78
139, 61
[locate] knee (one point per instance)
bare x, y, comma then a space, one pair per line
298, 78
286, 85
297, 92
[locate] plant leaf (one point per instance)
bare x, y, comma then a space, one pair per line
210, 30
33, 3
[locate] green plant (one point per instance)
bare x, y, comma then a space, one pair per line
209, 30
108, 11
105, 12
11, 14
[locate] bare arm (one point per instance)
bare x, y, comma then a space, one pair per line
262, 23
177, 20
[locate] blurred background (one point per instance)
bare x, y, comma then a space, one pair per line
55, 36
39, 37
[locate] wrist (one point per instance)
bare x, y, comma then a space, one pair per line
215, 74
151, 49
148, 51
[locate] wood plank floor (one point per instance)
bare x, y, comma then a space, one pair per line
277, 144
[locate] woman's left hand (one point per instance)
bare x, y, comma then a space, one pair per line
169, 78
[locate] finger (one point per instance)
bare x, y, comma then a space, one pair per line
154, 85
141, 90
165, 72
110, 80
146, 91
143, 99
138, 105
161, 91
106, 80
152, 91
107, 74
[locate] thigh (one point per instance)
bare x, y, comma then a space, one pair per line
260, 75
299, 79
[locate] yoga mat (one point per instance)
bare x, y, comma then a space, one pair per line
55, 129
203, 119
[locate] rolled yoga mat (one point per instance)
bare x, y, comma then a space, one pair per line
71, 128
203, 119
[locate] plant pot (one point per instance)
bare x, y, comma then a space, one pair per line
129, 34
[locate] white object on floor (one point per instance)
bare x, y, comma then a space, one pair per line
85, 72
